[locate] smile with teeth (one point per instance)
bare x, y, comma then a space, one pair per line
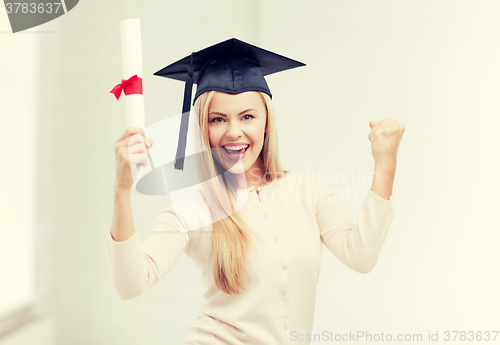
236, 151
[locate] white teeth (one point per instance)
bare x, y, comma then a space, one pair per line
236, 148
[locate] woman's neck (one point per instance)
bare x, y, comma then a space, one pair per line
254, 176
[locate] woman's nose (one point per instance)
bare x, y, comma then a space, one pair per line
234, 130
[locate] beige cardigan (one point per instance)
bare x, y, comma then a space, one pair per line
293, 216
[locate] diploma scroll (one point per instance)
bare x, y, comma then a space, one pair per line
132, 64
130, 30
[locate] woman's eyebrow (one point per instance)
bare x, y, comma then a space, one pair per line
244, 111
221, 114
216, 113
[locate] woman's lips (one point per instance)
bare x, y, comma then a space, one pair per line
236, 156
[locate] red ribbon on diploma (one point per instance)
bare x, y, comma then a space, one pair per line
131, 86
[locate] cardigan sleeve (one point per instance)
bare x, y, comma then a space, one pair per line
356, 245
135, 266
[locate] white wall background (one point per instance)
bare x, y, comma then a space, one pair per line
431, 65
19, 92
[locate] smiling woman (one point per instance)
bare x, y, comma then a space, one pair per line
239, 132
261, 260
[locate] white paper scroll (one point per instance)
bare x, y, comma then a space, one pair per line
130, 30
132, 64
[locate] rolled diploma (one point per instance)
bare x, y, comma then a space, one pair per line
132, 64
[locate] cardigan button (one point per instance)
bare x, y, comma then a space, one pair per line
265, 215
283, 267
285, 326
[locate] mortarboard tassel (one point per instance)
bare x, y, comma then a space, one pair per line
186, 107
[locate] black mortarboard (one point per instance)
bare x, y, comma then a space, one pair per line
231, 66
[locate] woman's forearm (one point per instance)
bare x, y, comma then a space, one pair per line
122, 226
383, 179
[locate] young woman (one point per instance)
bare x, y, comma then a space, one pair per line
260, 264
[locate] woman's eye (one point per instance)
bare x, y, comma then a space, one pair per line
249, 117
215, 119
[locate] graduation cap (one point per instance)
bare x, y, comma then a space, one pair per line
231, 66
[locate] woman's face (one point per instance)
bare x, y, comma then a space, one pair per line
236, 121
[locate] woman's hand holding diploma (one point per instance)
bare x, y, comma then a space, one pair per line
385, 137
131, 152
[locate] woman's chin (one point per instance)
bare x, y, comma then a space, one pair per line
237, 168
234, 167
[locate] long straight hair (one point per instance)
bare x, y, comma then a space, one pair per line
231, 236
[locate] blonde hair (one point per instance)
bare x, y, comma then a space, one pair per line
231, 236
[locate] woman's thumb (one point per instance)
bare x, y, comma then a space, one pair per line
373, 124
150, 141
